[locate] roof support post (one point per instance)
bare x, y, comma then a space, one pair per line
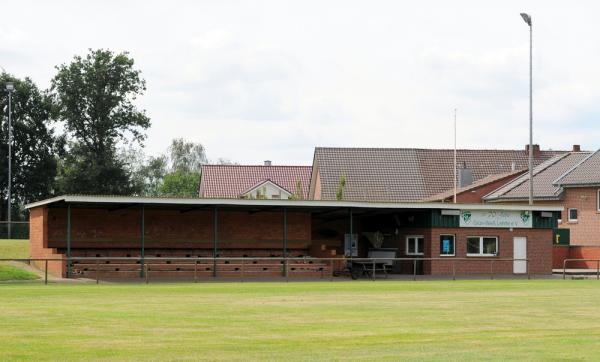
285, 237
142, 239
351, 223
215, 239
68, 240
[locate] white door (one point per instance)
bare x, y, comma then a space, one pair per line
520, 252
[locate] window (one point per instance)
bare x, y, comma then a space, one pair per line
447, 245
482, 246
572, 215
598, 201
414, 245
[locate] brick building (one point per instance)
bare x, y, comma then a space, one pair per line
464, 239
573, 181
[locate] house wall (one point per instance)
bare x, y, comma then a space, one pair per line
475, 195
539, 250
173, 229
586, 230
268, 191
560, 253
38, 242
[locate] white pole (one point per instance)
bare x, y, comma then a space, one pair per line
455, 176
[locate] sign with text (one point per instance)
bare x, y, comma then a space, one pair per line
495, 219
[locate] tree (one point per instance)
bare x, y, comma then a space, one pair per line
94, 97
147, 173
298, 194
339, 194
180, 184
34, 144
186, 156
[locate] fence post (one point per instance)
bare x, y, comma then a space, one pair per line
492, 269
331, 270
454, 269
373, 274
146, 273
243, 267
196, 271
46, 272
415, 269
528, 271
564, 269
287, 279
98, 271
214, 267
598, 269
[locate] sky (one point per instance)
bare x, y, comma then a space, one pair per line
258, 80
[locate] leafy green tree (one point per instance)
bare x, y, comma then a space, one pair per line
94, 97
147, 173
186, 156
180, 184
34, 144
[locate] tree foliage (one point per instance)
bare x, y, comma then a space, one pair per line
180, 184
186, 156
34, 147
94, 97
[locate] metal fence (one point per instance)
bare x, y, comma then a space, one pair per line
250, 268
579, 271
18, 230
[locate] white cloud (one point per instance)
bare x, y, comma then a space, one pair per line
272, 79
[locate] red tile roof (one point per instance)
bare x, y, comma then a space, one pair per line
231, 181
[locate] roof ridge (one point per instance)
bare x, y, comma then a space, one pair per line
263, 166
434, 149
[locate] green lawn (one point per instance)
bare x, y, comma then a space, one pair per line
390, 320
9, 272
11, 248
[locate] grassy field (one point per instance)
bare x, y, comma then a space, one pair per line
10, 248
389, 320
9, 272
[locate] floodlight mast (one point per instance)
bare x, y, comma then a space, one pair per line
527, 18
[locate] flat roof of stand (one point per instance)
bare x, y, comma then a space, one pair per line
100, 200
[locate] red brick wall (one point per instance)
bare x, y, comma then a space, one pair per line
576, 252
539, 250
100, 228
475, 195
38, 242
586, 231
559, 254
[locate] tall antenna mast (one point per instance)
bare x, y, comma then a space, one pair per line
455, 176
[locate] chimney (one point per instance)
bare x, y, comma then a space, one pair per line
465, 175
576, 148
536, 151
267, 162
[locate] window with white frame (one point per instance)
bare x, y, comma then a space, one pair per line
598, 201
415, 244
482, 246
572, 215
447, 245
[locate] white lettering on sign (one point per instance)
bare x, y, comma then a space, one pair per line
495, 219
